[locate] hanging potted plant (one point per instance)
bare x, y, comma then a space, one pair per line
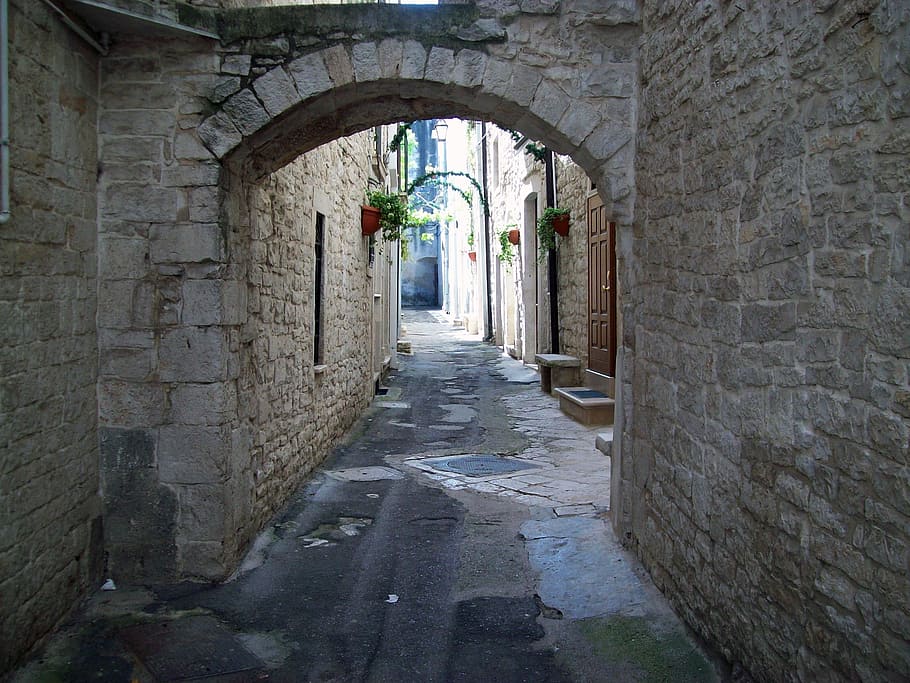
394, 216
370, 218
553, 221
557, 218
514, 234
471, 253
506, 253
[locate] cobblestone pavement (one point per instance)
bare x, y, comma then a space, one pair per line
460, 533
569, 475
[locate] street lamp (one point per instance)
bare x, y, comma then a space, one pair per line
440, 130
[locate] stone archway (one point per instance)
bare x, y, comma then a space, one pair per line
282, 84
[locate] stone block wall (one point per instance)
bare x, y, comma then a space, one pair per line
768, 331
210, 409
169, 434
515, 176
50, 526
294, 411
516, 196
572, 189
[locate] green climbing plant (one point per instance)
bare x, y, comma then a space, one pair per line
444, 179
538, 152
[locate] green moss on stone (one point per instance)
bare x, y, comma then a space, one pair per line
436, 24
660, 657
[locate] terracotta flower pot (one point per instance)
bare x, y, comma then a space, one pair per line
369, 219
472, 255
561, 225
514, 236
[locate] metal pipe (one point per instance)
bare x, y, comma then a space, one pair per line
552, 271
488, 323
4, 111
77, 29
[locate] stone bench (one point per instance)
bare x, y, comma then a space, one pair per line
557, 370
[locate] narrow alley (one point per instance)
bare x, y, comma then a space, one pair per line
458, 534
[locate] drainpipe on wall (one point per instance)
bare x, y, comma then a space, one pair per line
552, 273
4, 111
488, 323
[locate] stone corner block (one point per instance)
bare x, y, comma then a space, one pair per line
209, 404
186, 243
203, 559
213, 302
193, 354
193, 454
202, 513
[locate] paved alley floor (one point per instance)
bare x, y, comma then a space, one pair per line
460, 533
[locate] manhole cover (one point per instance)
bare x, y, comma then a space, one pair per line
370, 473
586, 393
482, 465
192, 647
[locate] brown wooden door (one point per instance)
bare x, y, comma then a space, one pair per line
601, 289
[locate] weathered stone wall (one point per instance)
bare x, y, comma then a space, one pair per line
294, 412
770, 327
513, 178
170, 439
572, 189
210, 410
50, 533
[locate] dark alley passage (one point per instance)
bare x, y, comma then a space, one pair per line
457, 535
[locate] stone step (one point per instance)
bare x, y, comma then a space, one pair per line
588, 406
596, 380
604, 441
556, 370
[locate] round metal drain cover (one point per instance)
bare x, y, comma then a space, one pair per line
482, 465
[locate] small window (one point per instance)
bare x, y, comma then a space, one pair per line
318, 356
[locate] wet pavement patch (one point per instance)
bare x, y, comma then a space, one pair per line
496, 639
480, 465
579, 574
329, 534
188, 648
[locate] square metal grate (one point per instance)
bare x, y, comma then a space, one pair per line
586, 393
188, 648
